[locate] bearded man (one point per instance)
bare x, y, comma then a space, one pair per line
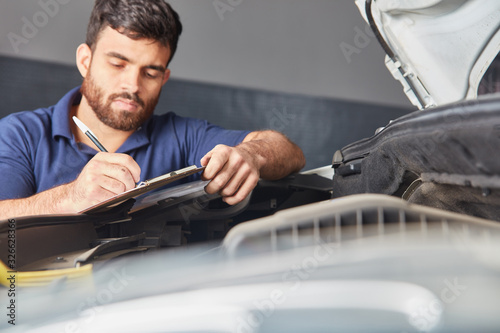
48, 166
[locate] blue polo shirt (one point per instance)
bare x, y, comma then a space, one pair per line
38, 150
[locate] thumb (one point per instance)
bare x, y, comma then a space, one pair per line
205, 159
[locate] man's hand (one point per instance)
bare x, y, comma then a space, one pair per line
234, 171
104, 176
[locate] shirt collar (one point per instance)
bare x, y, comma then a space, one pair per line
61, 121
138, 139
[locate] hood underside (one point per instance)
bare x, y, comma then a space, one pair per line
439, 50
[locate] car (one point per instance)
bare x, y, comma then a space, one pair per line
442, 156
399, 234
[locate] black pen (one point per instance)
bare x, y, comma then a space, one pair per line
89, 133
91, 136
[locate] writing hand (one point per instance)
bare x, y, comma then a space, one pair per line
104, 176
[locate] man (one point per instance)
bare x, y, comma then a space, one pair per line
48, 166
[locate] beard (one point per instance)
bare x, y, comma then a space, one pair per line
122, 120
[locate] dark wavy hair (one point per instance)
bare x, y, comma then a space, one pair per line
151, 19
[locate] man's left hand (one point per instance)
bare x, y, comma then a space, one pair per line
233, 172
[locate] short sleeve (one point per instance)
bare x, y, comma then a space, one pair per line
213, 136
199, 137
16, 170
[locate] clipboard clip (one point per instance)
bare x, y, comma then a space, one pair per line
189, 170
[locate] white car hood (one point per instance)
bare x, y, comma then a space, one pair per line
438, 49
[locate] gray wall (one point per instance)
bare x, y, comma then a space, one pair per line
291, 46
318, 125
262, 64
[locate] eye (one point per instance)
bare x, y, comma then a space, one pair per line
152, 74
116, 65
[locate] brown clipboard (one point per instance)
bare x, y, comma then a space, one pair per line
143, 187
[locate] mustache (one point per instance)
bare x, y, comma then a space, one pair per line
129, 96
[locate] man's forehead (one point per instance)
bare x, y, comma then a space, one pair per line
118, 42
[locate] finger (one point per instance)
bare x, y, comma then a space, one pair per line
218, 182
222, 178
121, 159
205, 159
118, 178
112, 185
234, 183
95, 169
217, 160
244, 190
204, 162
98, 194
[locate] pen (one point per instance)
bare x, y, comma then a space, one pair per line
89, 133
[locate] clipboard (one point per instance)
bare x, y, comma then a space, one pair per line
143, 187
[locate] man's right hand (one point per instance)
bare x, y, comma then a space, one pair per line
104, 176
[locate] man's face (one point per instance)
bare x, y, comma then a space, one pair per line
124, 79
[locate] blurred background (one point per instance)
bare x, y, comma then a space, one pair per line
310, 69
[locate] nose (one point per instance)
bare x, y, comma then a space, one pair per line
131, 80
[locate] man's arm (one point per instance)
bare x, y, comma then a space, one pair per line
103, 177
235, 171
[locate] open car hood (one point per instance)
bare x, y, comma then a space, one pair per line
438, 49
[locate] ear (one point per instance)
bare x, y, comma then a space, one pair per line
83, 59
166, 76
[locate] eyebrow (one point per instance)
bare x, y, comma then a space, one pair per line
122, 57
